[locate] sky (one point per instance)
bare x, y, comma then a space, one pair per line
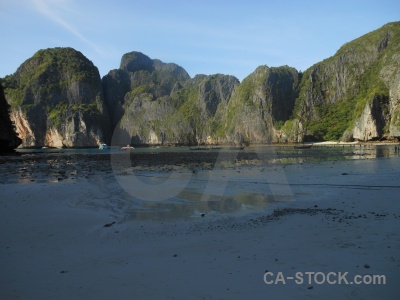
204, 37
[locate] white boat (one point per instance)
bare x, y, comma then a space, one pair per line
103, 146
127, 148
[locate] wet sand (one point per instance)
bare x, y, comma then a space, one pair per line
69, 228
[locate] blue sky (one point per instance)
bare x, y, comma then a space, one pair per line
204, 37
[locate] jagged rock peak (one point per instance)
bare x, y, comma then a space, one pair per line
136, 61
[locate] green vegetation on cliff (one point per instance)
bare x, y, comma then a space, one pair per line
262, 102
355, 94
335, 91
58, 88
47, 73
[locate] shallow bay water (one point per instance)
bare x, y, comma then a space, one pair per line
178, 183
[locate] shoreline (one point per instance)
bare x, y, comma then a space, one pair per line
225, 145
34, 166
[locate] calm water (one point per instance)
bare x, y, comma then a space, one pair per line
314, 154
233, 188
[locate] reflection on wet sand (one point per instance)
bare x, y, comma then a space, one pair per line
189, 205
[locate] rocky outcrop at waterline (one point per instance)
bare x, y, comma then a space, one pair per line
8, 137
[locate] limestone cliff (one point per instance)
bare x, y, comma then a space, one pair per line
261, 104
138, 97
57, 100
370, 125
204, 102
394, 105
353, 94
158, 103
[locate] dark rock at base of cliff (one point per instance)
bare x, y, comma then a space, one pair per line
8, 137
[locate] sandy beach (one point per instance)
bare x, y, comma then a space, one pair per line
78, 233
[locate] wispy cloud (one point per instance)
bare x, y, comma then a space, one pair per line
58, 11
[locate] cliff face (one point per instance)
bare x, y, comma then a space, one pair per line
57, 100
204, 102
394, 104
353, 94
370, 125
261, 104
8, 137
158, 103
138, 98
